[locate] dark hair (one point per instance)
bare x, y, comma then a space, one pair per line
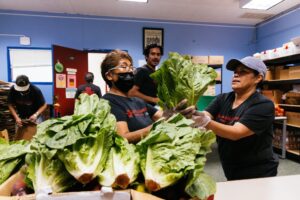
89, 77
22, 80
112, 60
260, 84
152, 46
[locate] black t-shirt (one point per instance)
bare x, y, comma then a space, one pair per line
26, 103
143, 80
257, 114
89, 89
134, 111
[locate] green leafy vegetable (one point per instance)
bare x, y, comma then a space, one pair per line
171, 150
11, 157
122, 166
179, 78
45, 171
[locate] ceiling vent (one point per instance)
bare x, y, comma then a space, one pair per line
263, 16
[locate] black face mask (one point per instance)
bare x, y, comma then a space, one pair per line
125, 81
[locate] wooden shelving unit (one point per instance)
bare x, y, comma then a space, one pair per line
284, 85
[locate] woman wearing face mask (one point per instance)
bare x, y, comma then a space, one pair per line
134, 116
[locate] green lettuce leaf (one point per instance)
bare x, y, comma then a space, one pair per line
179, 78
122, 166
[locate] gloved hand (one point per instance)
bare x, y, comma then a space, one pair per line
180, 108
200, 119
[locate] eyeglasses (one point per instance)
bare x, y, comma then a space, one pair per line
123, 68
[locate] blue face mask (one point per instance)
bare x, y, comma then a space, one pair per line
125, 81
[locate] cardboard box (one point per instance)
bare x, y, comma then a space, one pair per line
273, 95
293, 118
269, 75
292, 98
4, 134
26, 132
216, 60
200, 59
105, 194
281, 73
294, 72
219, 75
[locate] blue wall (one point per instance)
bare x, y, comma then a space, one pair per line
86, 32
278, 31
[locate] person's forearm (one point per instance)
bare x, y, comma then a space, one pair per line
41, 109
13, 112
234, 132
136, 136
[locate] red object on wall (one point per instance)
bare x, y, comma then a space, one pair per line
70, 58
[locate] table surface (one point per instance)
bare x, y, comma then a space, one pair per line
274, 188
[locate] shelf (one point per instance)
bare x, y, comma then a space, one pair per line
283, 60
287, 81
296, 152
215, 66
289, 105
292, 125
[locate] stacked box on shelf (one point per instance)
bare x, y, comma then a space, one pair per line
6, 119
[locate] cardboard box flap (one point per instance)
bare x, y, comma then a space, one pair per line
142, 196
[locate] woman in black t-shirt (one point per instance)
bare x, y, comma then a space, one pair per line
134, 116
243, 121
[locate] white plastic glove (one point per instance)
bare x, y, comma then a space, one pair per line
200, 119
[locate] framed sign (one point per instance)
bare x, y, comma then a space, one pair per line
153, 36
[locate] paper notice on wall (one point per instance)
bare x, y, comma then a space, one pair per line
60, 81
70, 93
71, 81
71, 71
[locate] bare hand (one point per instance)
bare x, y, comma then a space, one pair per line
19, 122
33, 118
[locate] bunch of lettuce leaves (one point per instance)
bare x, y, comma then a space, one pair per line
174, 149
122, 166
81, 142
179, 78
46, 172
12, 156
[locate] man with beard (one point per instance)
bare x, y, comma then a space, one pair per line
144, 86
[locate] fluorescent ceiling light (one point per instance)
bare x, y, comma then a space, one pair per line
140, 1
259, 4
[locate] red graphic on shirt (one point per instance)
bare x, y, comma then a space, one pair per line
136, 113
227, 119
88, 90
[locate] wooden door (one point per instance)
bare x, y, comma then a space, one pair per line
73, 59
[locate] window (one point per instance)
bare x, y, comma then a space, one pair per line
36, 63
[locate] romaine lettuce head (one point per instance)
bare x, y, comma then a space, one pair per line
46, 171
11, 157
7, 167
165, 161
179, 78
122, 166
87, 157
200, 185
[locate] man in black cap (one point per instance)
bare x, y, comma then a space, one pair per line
88, 88
25, 101
243, 122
